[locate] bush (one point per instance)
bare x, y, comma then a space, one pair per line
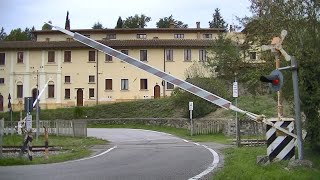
201, 107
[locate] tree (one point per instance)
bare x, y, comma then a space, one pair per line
226, 57
97, 25
165, 23
119, 23
29, 33
217, 21
136, 21
2, 34
301, 20
47, 26
17, 35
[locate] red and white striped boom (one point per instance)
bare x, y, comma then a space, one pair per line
163, 75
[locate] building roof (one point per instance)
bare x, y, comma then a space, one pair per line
135, 30
152, 43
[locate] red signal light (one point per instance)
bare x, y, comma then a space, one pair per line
275, 81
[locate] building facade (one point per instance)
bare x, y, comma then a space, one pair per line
79, 75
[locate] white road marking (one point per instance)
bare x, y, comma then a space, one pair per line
95, 155
185, 140
196, 144
213, 165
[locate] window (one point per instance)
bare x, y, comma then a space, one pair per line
1, 80
69, 39
91, 93
124, 51
202, 55
111, 36
2, 59
91, 79
67, 79
170, 86
143, 84
67, 56
92, 56
19, 57
108, 84
169, 54
141, 36
253, 55
66, 93
187, 54
207, 36
143, 55
108, 58
178, 36
19, 91
51, 90
124, 84
51, 55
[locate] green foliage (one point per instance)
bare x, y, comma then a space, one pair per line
165, 23
136, 21
224, 57
78, 112
119, 23
3, 34
18, 35
97, 25
47, 26
301, 20
201, 106
217, 21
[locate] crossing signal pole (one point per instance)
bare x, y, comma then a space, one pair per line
276, 47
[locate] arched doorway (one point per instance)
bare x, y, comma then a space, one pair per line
156, 92
34, 94
79, 97
1, 103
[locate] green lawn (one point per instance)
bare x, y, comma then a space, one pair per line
76, 148
240, 163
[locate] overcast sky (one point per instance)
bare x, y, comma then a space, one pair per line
83, 14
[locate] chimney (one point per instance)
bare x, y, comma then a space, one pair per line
198, 25
231, 28
67, 25
171, 25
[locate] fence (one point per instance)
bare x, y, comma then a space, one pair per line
56, 127
208, 126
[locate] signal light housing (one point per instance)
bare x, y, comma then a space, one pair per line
275, 80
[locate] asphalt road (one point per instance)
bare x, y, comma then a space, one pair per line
132, 154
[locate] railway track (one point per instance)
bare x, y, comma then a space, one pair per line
8, 149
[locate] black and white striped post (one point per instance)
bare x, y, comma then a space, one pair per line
280, 146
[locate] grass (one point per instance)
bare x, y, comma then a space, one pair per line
182, 133
260, 104
159, 108
76, 148
240, 163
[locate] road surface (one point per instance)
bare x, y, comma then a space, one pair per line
131, 154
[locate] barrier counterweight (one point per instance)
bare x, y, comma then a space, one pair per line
281, 146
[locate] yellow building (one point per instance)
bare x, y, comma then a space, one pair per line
81, 76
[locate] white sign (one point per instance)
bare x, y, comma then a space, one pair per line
235, 89
29, 122
190, 106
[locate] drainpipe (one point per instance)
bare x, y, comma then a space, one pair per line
97, 69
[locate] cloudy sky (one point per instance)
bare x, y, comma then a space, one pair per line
83, 14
